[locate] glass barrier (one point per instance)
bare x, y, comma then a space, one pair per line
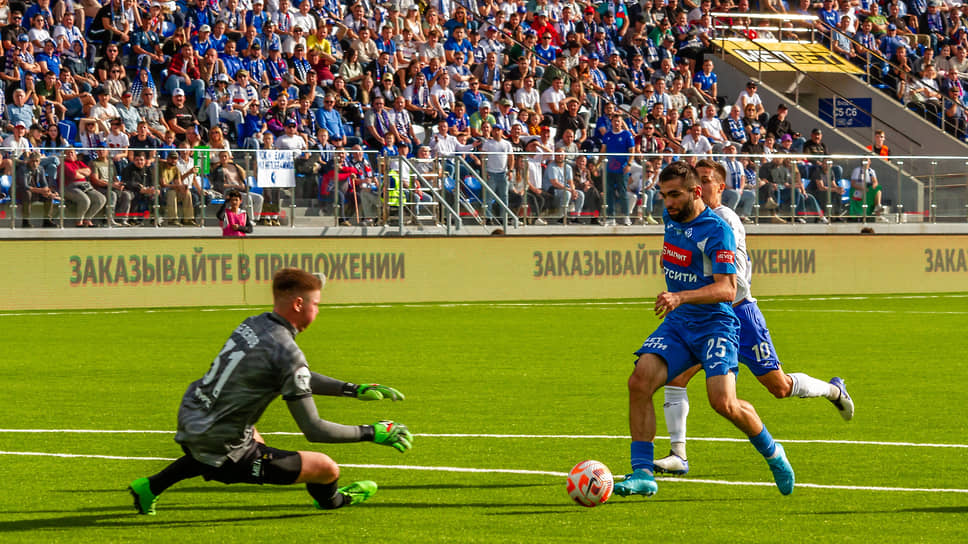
446, 192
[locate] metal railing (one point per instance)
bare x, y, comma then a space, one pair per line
303, 204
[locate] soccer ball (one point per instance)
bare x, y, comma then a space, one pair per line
590, 483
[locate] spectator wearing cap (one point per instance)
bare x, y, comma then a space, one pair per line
491, 41
16, 146
778, 125
178, 117
749, 97
387, 89
256, 66
270, 38
481, 117
202, 41
256, 17
117, 142
276, 66
48, 59
934, 24
891, 42
616, 72
504, 116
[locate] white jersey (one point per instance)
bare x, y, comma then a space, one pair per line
744, 269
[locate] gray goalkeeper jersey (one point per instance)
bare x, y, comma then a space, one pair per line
259, 362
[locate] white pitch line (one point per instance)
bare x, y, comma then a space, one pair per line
520, 436
470, 470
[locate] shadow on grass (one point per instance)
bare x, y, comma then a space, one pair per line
919, 510
126, 520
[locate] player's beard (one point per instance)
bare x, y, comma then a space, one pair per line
684, 213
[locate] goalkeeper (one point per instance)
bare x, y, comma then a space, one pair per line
259, 362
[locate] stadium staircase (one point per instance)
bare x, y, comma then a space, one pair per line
807, 81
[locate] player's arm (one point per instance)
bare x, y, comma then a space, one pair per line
324, 385
315, 429
722, 289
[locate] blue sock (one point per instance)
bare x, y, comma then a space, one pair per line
642, 455
764, 443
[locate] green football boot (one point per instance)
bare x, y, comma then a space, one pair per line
355, 493
144, 499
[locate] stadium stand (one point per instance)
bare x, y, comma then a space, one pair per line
320, 77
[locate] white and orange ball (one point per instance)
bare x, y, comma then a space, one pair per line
590, 483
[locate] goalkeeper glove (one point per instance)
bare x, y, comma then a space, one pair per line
375, 391
392, 434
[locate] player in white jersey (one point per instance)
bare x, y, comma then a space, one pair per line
755, 346
258, 363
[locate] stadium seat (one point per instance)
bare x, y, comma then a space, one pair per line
207, 185
5, 187
68, 130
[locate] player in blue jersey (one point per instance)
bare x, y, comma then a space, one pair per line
756, 349
699, 328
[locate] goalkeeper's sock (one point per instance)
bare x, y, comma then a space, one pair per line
805, 386
326, 495
183, 468
676, 410
764, 443
643, 454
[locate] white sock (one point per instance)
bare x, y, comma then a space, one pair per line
806, 387
676, 409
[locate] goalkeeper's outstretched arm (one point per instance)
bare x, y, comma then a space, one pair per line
315, 429
324, 385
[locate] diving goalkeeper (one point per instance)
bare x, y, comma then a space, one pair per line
259, 362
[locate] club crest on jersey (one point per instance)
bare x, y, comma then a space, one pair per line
676, 255
302, 378
725, 256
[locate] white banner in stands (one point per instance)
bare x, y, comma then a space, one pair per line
276, 168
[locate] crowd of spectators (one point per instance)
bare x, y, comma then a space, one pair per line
184, 86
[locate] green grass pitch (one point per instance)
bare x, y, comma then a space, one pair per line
549, 378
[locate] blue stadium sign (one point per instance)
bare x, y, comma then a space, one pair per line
846, 112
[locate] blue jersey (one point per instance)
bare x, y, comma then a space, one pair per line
691, 253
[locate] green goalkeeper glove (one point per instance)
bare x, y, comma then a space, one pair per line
392, 434
375, 391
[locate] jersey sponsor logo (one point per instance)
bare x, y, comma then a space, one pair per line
725, 256
676, 255
676, 275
